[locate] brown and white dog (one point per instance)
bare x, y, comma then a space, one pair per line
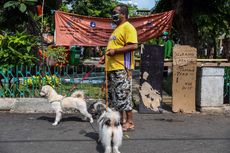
59, 102
110, 129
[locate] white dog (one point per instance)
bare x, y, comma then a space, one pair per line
110, 129
59, 102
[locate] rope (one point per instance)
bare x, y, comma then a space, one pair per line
106, 80
93, 127
86, 75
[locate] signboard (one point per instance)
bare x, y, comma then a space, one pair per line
152, 63
184, 79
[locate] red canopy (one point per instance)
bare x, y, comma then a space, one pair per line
72, 29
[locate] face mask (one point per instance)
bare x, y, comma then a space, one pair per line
115, 16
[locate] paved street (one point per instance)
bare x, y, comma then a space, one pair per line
154, 133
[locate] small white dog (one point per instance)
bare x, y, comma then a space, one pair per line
110, 129
59, 102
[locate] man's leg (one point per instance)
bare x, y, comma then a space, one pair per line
123, 117
129, 125
129, 115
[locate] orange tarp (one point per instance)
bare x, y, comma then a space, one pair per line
72, 29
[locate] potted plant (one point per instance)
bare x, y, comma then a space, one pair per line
56, 55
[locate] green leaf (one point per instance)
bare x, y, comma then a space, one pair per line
10, 4
28, 48
22, 7
6, 54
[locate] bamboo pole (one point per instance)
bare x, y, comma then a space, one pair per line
42, 45
106, 86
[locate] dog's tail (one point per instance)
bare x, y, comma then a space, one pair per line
78, 94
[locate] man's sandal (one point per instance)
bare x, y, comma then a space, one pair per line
128, 126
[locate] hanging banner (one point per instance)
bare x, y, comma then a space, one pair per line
72, 29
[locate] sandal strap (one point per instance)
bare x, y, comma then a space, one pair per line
126, 126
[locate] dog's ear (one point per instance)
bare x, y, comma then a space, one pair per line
106, 122
46, 91
101, 108
91, 109
91, 106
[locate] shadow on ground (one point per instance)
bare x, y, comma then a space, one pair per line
64, 119
94, 136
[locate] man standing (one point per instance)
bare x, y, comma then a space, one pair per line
168, 45
119, 65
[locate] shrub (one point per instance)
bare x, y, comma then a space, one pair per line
17, 49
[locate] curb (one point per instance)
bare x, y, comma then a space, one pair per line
31, 105
7, 103
41, 105
223, 109
25, 105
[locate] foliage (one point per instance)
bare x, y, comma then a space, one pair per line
9, 23
16, 49
25, 10
20, 4
208, 19
36, 81
96, 8
64, 7
212, 25
59, 54
132, 10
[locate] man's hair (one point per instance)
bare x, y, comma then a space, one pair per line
124, 9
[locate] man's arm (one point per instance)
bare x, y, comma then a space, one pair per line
127, 48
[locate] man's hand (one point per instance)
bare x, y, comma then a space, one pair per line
102, 60
111, 52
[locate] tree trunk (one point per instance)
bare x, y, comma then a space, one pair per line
187, 29
215, 48
226, 45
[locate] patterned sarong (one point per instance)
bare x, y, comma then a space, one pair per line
120, 90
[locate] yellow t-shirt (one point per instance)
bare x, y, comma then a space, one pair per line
122, 35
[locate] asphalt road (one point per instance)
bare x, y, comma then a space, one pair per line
154, 133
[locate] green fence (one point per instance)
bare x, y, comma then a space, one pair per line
227, 85
26, 81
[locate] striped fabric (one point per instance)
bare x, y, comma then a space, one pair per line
128, 60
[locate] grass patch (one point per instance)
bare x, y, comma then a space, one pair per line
21, 90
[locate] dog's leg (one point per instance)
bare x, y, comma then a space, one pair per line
57, 107
57, 118
117, 139
108, 149
115, 149
86, 114
106, 137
